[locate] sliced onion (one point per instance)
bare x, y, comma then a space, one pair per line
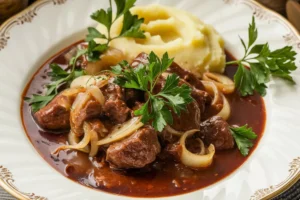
97, 94
73, 140
212, 89
73, 91
79, 102
195, 160
121, 131
202, 150
94, 146
94, 139
173, 131
102, 83
65, 99
82, 144
83, 81
223, 83
225, 112
88, 80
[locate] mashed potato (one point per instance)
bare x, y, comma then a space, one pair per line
195, 46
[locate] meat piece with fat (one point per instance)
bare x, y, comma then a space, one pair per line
115, 107
98, 126
202, 98
142, 58
171, 152
56, 115
133, 96
186, 75
136, 151
216, 131
91, 109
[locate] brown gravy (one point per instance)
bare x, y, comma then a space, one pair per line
161, 178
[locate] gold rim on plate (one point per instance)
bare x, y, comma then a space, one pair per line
259, 10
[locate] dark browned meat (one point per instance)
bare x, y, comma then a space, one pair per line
115, 107
91, 110
142, 58
189, 119
99, 127
186, 75
133, 96
136, 151
56, 115
215, 130
202, 98
167, 138
171, 152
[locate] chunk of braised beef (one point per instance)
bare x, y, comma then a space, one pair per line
142, 58
202, 98
115, 107
136, 151
165, 138
186, 75
188, 119
215, 130
56, 115
133, 96
171, 152
98, 126
91, 109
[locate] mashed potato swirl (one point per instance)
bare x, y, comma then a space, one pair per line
195, 45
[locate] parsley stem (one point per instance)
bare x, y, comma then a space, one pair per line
110, 4
233, 62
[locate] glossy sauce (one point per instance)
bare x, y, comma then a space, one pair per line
162, 178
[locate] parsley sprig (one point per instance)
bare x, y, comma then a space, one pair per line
263, 64
59, 77
158, 106
243, 137
131, 27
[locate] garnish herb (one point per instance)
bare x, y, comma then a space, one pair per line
131, 27
59, 77
158, 105
243, 137
263, 63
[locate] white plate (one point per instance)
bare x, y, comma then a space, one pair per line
32, 36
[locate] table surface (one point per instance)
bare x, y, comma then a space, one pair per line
292, 194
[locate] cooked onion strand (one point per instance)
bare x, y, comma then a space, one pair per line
73, 140
212, 89
223, 83
97, 94
225, 112
82, 144
195, 160
121, 131
173, 131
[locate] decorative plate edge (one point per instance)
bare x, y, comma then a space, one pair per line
292, 38
26, 16
275, 190
7, 182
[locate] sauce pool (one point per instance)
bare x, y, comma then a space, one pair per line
162, 178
